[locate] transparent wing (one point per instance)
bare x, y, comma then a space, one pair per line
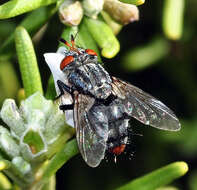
144, 107
91, 129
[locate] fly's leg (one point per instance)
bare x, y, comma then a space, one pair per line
106, 101
66, 107
109, 99
63, 87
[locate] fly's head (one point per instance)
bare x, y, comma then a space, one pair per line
76, 57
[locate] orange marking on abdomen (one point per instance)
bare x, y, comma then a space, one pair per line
119, 149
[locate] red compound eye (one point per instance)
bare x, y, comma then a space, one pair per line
90, 52
67, 60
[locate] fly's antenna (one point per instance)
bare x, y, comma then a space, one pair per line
65, 42
72, 46
72, 41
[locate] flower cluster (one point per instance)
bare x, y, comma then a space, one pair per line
71, 12
36, 132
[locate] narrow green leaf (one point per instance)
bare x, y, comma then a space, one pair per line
193, 180
173, 15
17, 175
4, 164
104, 37
66, 34
134, 2
4, 182
145, 56
16, 7
158, 178
83, 37
8, 145
167, 188
86, 39
20, 95
34, 140
116, 27
68, 151
50, 185
8, 89
51, 92
32, 23
27, 61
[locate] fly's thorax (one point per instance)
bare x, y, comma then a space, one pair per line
90, 78
85, 74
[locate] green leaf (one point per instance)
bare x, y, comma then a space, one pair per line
193, 180
8, 144
34, 140
86, 40
116, 27
51, 92
173, 15
135, 2
145, 56
83, 37
69, 150
7, 89
67, 32
32, 23
16, 7
20, 174
167, 188
104, 37
4, 182
158, 178
51, 184
4, 164
27, 61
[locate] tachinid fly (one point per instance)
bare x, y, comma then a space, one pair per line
101, 105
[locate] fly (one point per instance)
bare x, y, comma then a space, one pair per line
101, 105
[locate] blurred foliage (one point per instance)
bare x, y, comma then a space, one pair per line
158, 54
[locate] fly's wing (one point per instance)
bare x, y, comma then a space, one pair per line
145, 108
91, 142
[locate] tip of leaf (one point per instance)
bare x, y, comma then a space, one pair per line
140, 2
183, 166
3, 165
